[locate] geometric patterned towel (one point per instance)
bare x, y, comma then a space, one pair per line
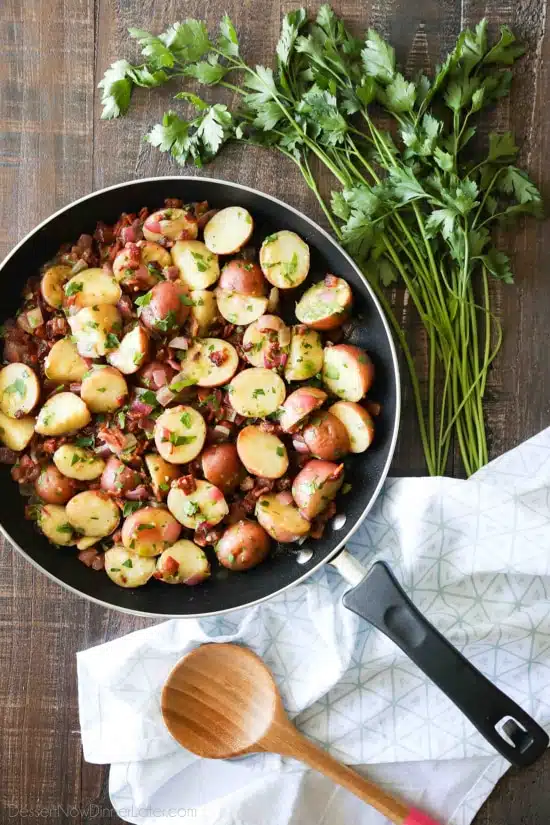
475, 558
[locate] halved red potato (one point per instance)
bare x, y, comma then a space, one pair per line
162, 474
166, 307
228, 230
93, 513
156, 375
19, 390
149, 531
104, 389
171, 224
198, 267
326, 437
53, 487
260, 335
204, 310
221, 466
132, 352
325, 305
256, 392
244, 544
316, 485
358, 423
84, 542
54, 523
284, 258
78, 462
183, 563
244, 277
63, 364
263, 454
205, 503
16, 433
62, 413
180, 433
305, 357
280, 518
240, 309
95, 330
299, 404
209, 362
151, 259
348, 372
51, 285
118, 478
90, 287
128, 569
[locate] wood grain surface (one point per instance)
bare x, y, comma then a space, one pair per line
54, 148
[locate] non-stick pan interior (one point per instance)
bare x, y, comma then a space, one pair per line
224, 590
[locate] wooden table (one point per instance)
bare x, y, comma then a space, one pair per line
53, 149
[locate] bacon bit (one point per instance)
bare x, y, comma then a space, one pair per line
57, 327
89, 557
219, 357
8, 456
26, 471
237, 512
186, 483
283, 484
104, 233
330, 281
128, 235
373, 407
247, 484
206, 534
113, 437
173, 203
19, 345
205, 217
126, 307
171, 273
170, 566
270, 427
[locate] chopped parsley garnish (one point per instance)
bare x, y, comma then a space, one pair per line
191, 508
346, 488
180, 440
332, 373
85, 441
73, 287
186, 419
148, 397
256, 393
111, 341
131, 507
127, 563
167, 323
280, 451
144, 300
18, 387
64, 528
187, 301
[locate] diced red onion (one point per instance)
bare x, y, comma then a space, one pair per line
79, 266
222, 431
300, 446
103, 451
285, 497
180, 342
153, 225
165, 396
230, 414
141, 493
140, 407
284, 337
128, 235
159, 377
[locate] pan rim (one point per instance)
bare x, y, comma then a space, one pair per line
396, 374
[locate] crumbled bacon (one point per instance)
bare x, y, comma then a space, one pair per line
247, 484
186, 484
173, 203
171, 273
91, 558
26, 470
270, 427
19, 345
218, 357
8, 456
206, 534
103, 233
57, 327
330, 281
126, 307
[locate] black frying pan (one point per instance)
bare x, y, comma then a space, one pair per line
376, 595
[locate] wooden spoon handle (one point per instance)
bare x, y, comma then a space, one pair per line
301, 748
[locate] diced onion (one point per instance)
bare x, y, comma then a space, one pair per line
300, 446
231, 414
165, 396
35, 318
79, 266
222, 431
180, 342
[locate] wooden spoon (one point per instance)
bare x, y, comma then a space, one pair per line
221, 701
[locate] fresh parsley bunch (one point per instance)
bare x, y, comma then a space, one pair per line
418, 198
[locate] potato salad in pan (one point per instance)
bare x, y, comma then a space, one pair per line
161, 411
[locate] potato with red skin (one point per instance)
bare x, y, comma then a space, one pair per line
357, 421
149, 531
316, 485
244, 277
167, 307
298, 405
221, 467
348, 371
155, 375
243, 545
53, 487
326, 437
325, 305
117, 478
280, 518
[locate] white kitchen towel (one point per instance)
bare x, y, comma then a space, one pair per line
473, 555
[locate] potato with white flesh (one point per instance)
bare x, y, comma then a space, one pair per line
298, 405
205, 503
19, 390
62, 413
183, 563
93, 513
51, 285
95, 330
325, 305
180, 433
141, 264
228, 230
263, 454
132, 352
104, 389
280, 517
78, 462
256, 392
54, 523
284, 258
170, 224
198, 267
316, 485
260, 336
149, 531
63, 363
162, 474
305, 357
209, 362
244, 545
90, 287
348, 372
358, 423
127, 569
240, 309
16, 433
84, 542
204, 309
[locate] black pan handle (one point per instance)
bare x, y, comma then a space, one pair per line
380, 599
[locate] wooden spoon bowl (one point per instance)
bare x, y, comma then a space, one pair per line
221, 701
